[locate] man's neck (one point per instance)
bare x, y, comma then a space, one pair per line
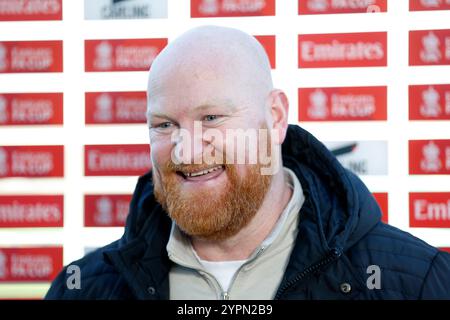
244, 243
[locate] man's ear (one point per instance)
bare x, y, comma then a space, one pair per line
279, 107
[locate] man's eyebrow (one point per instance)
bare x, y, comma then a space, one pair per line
151, 115
204, 107
200, 108
158, 115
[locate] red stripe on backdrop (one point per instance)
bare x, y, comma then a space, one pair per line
38, 264
333, 50
232, 8
20, 211
31, 109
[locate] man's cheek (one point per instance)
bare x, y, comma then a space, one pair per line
158, 159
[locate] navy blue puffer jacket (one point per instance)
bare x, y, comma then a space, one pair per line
340, 236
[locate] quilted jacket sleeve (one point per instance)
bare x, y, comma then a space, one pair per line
437, 282
57, 289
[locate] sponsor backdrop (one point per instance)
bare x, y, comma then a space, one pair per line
369, 78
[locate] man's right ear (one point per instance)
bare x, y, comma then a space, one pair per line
280, 110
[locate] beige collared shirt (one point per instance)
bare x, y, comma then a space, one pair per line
258, 277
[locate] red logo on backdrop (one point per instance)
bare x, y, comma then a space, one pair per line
429, 210
269, 44
31, 161
109, 210
116, 107
31, 108
31, 211
429, 157
421, 5
368, 49
429, 47
116, 160
122, 55
30, 56
20, 10
342, 104
30, 264
429, 102
445, 249
341, 6
382, 200
232, 8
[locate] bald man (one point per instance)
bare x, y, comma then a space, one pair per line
213, 221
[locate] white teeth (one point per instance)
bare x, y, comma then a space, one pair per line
203, 172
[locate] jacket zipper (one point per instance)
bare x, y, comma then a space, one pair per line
212, 281
226, 294
331, 257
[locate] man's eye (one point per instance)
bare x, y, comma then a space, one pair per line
163, 125
210, 117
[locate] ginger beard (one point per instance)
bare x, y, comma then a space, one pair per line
211, 214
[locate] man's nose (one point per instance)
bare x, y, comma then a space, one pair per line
189, 145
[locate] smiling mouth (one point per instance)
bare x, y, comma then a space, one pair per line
202, 175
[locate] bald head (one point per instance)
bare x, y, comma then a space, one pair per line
211, 63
